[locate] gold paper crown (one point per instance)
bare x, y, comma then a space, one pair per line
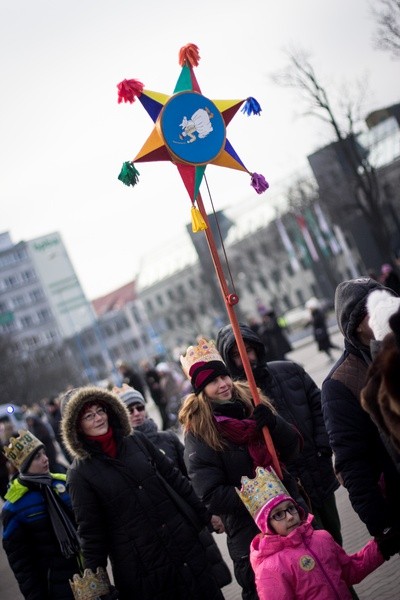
256, 493
205, 351
91, 585
21, 448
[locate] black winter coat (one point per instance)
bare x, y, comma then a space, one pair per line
167, 441
124, 511
297, 399
361, 458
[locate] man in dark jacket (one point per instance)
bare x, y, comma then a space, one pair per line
298, 400
361, 459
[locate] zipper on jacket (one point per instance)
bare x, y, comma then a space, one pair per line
321, 567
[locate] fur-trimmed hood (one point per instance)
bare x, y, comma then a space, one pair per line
117, 413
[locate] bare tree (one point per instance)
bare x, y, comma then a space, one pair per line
43, 372
343, 121
387, 34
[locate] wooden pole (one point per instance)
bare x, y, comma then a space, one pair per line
230, 301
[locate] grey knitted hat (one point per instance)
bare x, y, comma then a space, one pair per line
131, 396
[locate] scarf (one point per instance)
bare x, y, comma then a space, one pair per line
61, 523
106, 441
245, 432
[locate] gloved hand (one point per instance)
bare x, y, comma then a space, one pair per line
324, 451
388, 542
264, 416
111, 595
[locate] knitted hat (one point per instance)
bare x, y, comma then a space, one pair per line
381, 306
129, 395
351, 304
202, 364
22, 449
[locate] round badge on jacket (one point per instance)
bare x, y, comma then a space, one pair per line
307, 563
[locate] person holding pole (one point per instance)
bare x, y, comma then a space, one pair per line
224, 441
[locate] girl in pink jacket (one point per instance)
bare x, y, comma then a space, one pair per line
293, 561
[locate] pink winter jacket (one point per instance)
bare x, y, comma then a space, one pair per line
308, 564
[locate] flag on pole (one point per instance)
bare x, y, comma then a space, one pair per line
326, 230
301, 222
301, 249
313, 225
288, 245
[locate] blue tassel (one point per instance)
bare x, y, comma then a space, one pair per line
251, 107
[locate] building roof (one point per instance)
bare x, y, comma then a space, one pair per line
115, 300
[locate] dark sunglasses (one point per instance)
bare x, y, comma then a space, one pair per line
138, 407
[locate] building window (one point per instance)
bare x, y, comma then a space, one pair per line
192, 284
145, 339
181, 291
169, 323
149, 305
18, 301
135, 344
27, 321
136, 315
36, 295
10, 281
170, 294
160, 300
44, 315
27, 275
300, 296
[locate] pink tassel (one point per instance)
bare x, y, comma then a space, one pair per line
259, 183
189, 54
129, 89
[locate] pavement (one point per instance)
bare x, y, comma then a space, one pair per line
383, 584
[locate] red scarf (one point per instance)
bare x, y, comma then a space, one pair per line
245, 432
106, 441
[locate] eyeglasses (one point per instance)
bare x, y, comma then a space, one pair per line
281, 514
91, 416
138, 407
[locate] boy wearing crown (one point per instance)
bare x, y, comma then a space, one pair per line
39, 535
293, 559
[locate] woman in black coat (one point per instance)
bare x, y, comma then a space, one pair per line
223, 442
124, 509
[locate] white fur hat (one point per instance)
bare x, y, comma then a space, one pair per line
381, 306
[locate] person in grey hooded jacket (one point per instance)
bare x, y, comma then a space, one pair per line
361, 459
297, 399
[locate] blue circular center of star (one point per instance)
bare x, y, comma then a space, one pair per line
193, 128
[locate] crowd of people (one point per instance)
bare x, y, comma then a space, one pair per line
93, 487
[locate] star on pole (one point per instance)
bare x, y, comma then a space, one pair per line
189, 129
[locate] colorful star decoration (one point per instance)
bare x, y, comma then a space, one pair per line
189, 130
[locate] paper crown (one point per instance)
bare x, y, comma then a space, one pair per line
91, 585
205, 351
20, 449
256, 493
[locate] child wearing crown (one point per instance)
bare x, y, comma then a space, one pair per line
39, 535
293, 561
223, 442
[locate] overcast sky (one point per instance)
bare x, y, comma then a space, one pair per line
63, 136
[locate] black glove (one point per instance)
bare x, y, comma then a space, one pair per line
264, 416
324, 452
112, 594
388, 542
